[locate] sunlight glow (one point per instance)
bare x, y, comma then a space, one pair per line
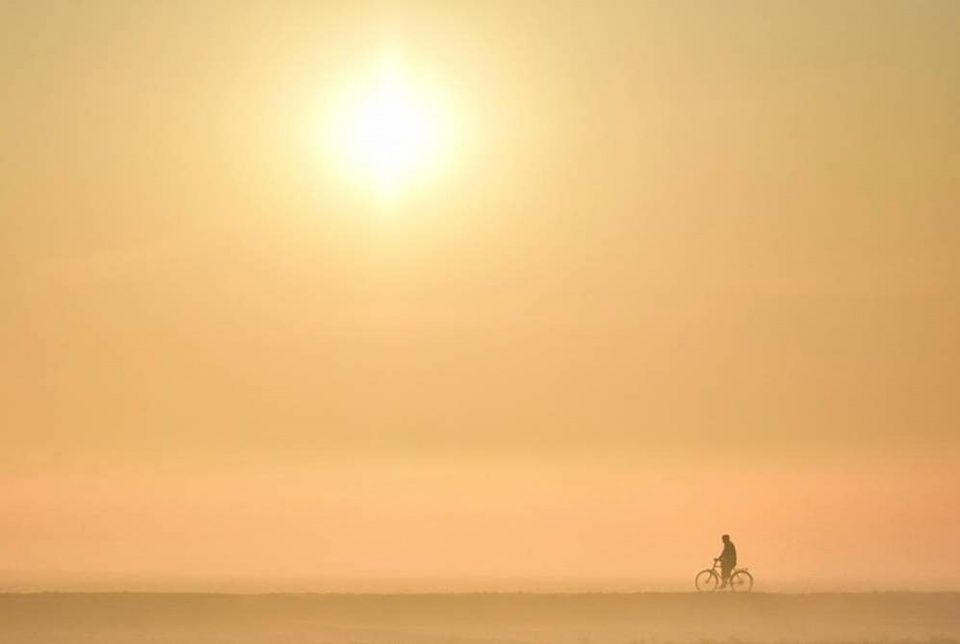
390, 132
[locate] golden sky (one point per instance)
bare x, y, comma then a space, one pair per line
686, 268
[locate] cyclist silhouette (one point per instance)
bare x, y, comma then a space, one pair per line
727, 559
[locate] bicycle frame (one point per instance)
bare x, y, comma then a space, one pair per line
739, 578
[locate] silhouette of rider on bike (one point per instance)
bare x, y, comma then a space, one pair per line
727, 559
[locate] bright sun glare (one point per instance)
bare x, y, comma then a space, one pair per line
390, 132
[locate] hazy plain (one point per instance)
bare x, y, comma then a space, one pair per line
54, 618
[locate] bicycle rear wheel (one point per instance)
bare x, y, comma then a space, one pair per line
741, 581
707, 581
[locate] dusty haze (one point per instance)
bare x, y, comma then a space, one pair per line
693, 269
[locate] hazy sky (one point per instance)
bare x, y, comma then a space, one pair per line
690, 268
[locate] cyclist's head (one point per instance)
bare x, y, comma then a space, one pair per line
725, 538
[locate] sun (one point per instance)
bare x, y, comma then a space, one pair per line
390, 131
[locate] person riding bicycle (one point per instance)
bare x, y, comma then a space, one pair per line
727, 559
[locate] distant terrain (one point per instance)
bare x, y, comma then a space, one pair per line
134, 618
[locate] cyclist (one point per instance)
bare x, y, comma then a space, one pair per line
727, 559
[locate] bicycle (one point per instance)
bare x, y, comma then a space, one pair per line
708, 579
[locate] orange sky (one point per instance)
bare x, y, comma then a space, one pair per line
692, 269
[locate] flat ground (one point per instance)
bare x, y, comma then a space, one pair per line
478, 618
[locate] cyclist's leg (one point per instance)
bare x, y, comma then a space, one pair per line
725, 570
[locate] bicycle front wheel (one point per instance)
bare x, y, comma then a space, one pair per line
741, 581
707, 581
